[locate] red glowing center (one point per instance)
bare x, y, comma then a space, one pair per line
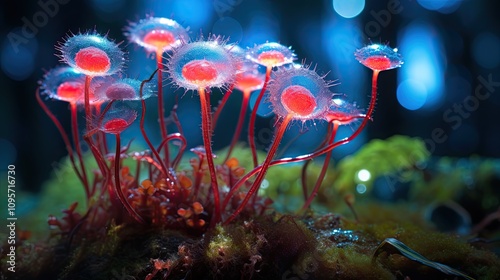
200, 72
271, 58
93, 60
378, 63
248, 82
70, 91
115, 125
298, 100
159, 38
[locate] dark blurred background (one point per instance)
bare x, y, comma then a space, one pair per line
447, 92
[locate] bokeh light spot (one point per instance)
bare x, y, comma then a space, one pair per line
17, 65
411, 94
364, 175
486, 50
442, 6
348, 8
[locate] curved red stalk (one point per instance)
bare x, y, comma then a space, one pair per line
303, 177
207, 141
118, 188
163, 169
146, 138
161, 114
101, 163
265, 166
100, 135
323, 169
253, 117
222, 103
76, 141
239, 126
175, 136
64, 136
88, 113
197, 178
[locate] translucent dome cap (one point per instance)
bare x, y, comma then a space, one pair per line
92, 54
271, 54
379, 57
248, 76
155, 33
117, 119
66, 84
123, 89
299, 91
343, 112
202, 64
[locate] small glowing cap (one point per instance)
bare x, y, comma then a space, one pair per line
202, 64
116, 120
343, 112
123, 89
92, 54
379, 57
300, 92
66, 84
271, 54
156, 33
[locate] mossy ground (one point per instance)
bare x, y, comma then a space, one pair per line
317, 245
270, 247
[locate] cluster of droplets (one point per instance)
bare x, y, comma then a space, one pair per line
93, 79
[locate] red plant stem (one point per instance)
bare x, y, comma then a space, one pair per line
312, 155
143, 130
265, 166
221, 105
303, 178
101, 163
161, 114
241, 120
76, 141
197, 178
207, 141
88, 113
101, 134
60, 128
322, 174
175, 136
146, 138
253, 117
118, 188
369, 113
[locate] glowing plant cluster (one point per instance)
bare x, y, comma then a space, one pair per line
149, 187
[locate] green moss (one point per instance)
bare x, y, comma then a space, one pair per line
396, 154
348, 263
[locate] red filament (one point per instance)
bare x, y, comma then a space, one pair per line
93, 60
298, 100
